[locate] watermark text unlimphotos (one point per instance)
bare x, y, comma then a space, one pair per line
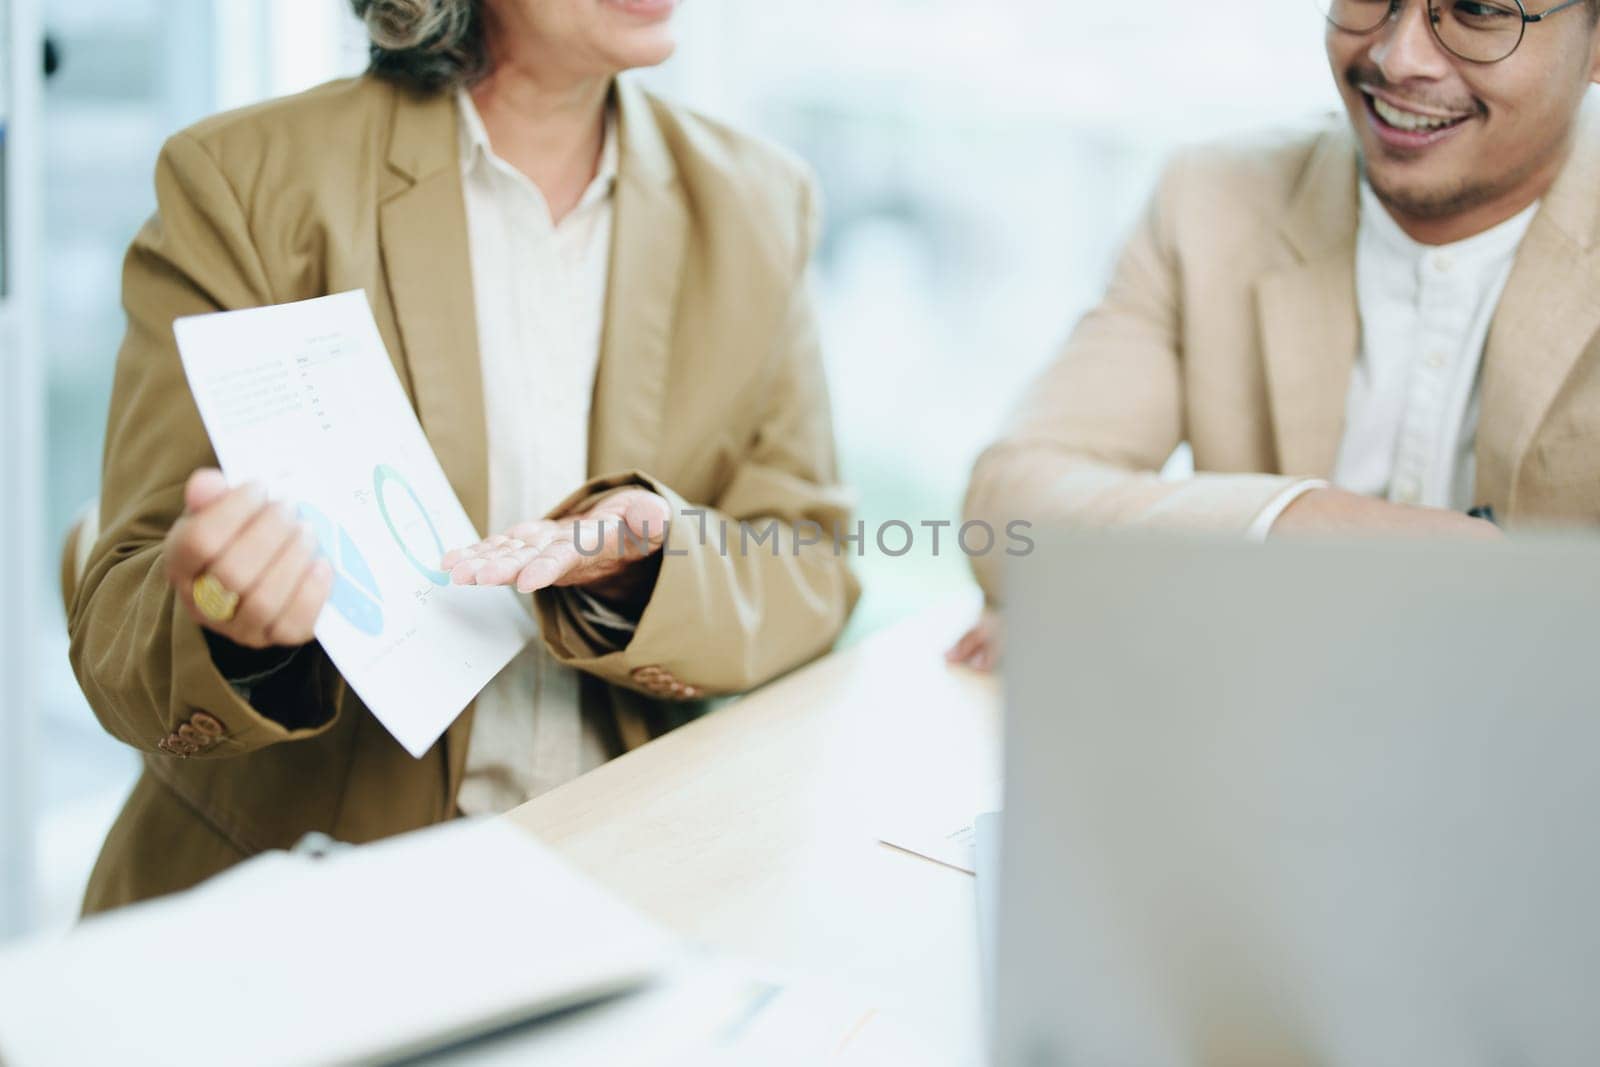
895, 538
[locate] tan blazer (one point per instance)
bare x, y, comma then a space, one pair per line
1231, 323
710, 391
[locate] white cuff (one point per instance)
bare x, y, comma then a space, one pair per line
593, 610
1261, 525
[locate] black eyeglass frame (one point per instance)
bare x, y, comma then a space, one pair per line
1395, 7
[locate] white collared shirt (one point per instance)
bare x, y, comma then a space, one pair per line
540, 291
1411, 413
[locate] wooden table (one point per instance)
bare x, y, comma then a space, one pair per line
754, 830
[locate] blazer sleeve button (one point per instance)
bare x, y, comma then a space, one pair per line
652, 678
207, 724
173, 745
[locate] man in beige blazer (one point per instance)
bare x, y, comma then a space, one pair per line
1377, 325
709, 394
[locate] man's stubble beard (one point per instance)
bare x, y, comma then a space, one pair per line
1431, 205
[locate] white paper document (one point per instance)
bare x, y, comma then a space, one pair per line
304, 399
707, 1012
937, 825
367, 955
953, 846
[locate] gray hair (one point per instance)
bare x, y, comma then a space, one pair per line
426, 44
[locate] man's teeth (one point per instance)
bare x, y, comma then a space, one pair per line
1408, 120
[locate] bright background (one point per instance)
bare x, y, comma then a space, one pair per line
981, 163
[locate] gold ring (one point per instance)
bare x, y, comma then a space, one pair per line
216, 601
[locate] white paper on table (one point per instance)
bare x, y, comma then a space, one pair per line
366, 955
709, 1011
304, 399
952, 846
937, 826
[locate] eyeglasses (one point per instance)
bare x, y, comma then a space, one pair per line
1478, 31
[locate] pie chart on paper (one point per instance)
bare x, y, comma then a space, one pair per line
409, 523
355, 594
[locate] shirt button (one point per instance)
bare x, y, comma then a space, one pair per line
1443, 261
1408, 491
1437, 359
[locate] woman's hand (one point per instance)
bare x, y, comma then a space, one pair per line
265, 561
587, 550
979, 647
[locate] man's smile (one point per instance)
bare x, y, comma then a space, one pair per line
1410, 126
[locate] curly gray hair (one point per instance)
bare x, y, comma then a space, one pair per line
427, 44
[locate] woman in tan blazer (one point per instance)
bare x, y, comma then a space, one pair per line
570, 275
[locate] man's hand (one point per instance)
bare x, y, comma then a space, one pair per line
546, 552
979, 647
1335, 512
256, 549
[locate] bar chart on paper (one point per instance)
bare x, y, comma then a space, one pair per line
303, 398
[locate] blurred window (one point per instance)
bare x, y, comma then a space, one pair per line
981, 165
132, 72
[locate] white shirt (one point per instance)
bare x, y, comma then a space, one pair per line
1411, 415
540, 292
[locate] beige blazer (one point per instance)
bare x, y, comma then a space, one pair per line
710, 391
1231, 323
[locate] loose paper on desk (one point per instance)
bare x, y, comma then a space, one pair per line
303, 398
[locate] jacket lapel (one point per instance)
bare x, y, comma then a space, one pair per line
647, 250
1548, 314
1307, 312
428, 263
429, 267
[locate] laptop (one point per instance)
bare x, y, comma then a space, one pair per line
1296, 804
